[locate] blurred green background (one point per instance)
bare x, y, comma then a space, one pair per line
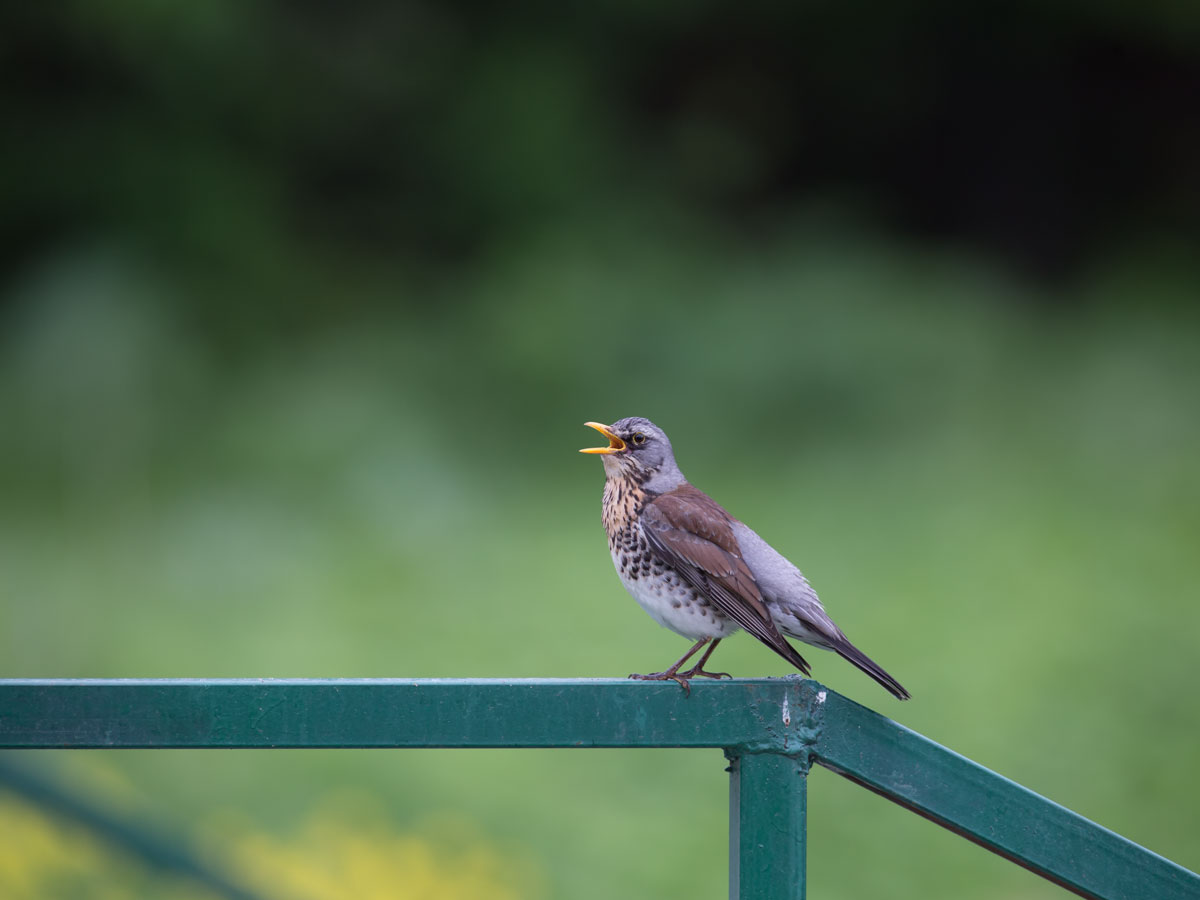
302, 306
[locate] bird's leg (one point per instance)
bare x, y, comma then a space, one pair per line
697, 671
672, 674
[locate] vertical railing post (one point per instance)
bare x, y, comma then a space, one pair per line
768, 798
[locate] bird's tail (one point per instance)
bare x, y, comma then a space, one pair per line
852, 654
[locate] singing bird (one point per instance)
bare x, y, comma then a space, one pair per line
699, 571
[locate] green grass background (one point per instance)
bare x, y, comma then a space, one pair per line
999, 503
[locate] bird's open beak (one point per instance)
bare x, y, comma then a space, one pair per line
615, 444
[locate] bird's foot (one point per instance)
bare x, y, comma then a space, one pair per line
697, 672
671, 674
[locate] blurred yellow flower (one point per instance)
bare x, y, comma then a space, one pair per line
346, 849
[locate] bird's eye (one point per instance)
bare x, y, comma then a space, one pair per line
637, 438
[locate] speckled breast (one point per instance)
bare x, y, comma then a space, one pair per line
654, 584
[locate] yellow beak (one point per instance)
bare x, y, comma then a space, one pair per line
615, 444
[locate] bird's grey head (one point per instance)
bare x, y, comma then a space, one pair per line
637, 448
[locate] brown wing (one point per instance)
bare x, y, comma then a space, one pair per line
693, 532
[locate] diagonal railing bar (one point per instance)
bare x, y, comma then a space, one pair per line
771, 729
143, 840
993, 811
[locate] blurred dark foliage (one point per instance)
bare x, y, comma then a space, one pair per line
230, 137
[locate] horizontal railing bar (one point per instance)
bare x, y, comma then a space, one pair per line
993, 811
247, 713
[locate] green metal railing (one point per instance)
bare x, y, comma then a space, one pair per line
771, 730
151, 843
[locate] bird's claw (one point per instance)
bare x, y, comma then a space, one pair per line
681, 680
697, 672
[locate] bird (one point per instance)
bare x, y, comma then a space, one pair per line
699, 571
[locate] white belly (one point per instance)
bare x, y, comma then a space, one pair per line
674, 605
